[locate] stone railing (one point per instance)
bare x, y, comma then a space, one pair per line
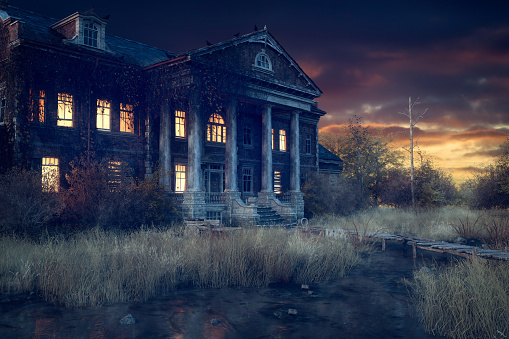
284, 197
176, 198
214, 198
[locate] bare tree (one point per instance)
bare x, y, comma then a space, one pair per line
409, 114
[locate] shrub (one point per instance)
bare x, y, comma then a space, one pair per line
26, 209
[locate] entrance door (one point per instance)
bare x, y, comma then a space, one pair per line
216, 182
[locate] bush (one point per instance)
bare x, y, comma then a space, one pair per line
26, 209
323, 196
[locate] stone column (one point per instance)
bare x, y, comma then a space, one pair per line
194, 144
267, 192
194, 198
165, 146
231, 147
294, 153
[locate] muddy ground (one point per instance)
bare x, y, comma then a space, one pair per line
371, 302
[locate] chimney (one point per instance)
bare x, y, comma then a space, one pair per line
4, 4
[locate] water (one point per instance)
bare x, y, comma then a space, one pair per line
371, 302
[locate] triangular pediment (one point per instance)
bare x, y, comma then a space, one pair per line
260, 54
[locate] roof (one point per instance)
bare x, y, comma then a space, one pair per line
325, 154
36, 28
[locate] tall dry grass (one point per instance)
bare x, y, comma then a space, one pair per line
100, 267
469, 299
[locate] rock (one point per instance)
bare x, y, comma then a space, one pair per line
425, 269
214, 322
460, 240
128, 320
292, 311
304, 287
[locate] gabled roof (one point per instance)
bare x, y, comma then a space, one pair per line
325, 154
37, 28
261, 37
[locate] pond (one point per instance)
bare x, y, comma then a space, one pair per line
371, 302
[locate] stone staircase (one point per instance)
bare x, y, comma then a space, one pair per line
269, 217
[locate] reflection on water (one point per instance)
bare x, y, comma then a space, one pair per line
371, 302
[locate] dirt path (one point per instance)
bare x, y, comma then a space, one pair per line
371, 302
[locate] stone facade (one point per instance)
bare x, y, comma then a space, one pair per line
229, 127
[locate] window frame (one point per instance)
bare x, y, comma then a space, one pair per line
180, 178
50, 172
180, 124
262, 62
91, 34
103, 118
126, 118
216, 129
65, 108
307, 144
249, 180
283, 141
248, 135
278, 182
37, 105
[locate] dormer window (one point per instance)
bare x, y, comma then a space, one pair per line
90, 34
262, 62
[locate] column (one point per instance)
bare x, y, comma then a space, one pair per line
165, 146
231, 147
294, 153
267, 192
194, 143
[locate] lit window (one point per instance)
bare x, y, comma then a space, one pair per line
308, 144
114, 174
277, 182
247, 135
2, 106
180, 178
50, 175
37, 104
90, 33
103, 114
180, 124
126, 118
273, 138
282, 140
247, 180
216, 130
263, 61
65, 110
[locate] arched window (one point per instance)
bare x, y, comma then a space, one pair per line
263, 61
216, 129
90, 34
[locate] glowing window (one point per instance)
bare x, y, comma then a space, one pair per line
180, 124
180, 178
247, 180
103, 114
65, 110
37, 105
90, 34
277, 182
50, 175
216, 129
126, 118
263, 61
282, 140
114, 174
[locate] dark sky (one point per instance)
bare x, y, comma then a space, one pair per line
367, 57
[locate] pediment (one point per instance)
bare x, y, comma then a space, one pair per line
260, 55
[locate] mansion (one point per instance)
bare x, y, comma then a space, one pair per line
231, 129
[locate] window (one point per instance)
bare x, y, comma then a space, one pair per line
273, 138
37, 104
103, 114
114, 174
247, 180
263, 61
126, 118
282, 140
50, 175
90, 34
247, 135
65, 110
2, 106
216, 130
180, 124
277, 182
180, 178
307, 146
